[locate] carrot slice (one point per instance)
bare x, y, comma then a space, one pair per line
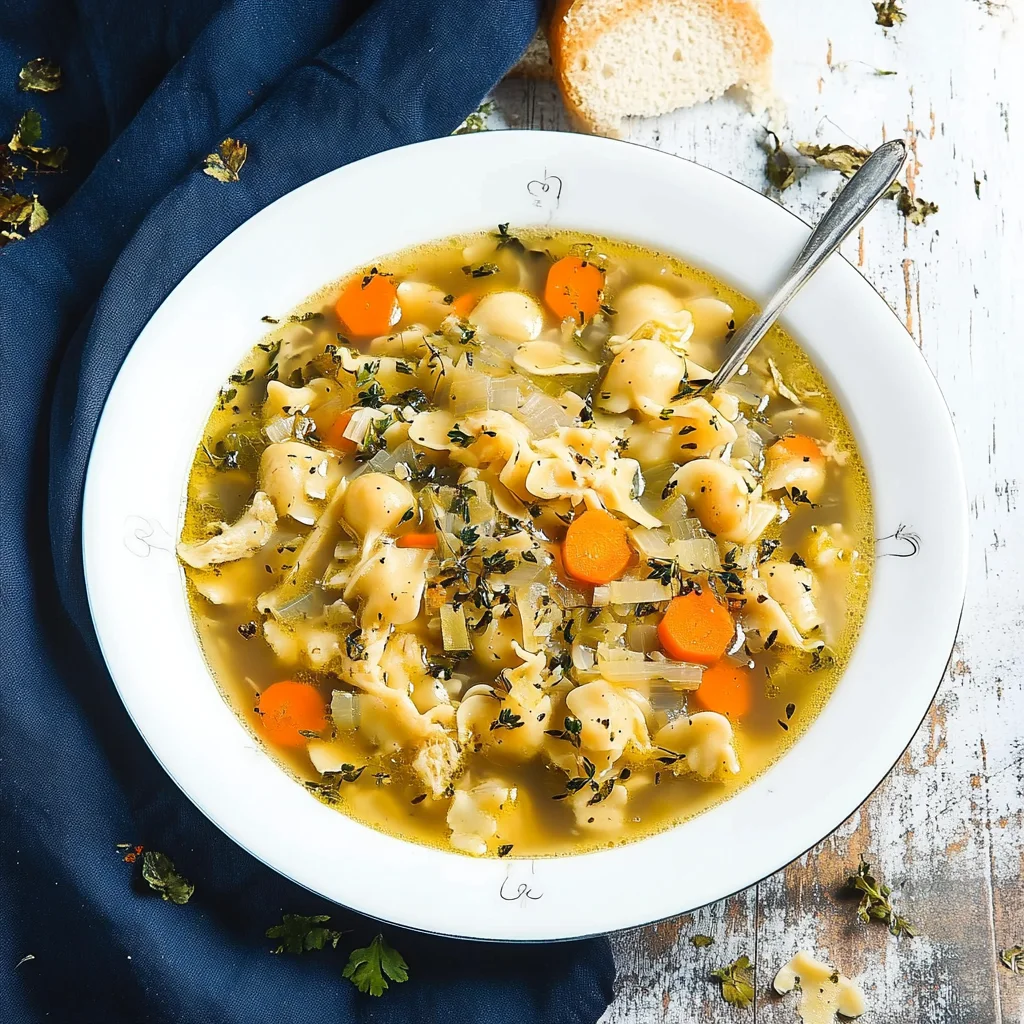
288, 709
417, 540
464, 304
368, 305
596, 547
797, 446
334, 435
696, 627
573, 288
725, 688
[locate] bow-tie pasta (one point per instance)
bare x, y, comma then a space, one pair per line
475, 554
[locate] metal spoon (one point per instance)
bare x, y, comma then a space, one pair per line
860, 194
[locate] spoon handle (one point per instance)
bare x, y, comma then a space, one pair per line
859, 195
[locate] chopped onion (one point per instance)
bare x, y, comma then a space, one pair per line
568, 595
543, 415
385, 461
495, 352
687, 529
345, 710
469, 394
338, 614
522, 575
741, 391
697, 554
666, 699
674, 511
305, 606
288, 428
602, 597
454, 635
681, 675
480, 510
657, 480
582, 658
642, 636
638, 591
503, 394
345, 549
650, 543
359, 424
607, 653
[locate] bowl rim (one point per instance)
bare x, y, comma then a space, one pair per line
516, 146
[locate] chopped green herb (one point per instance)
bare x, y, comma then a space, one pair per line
507, 241
161, 876
370, 968
875, 902
888, 13
484, 270
460, 437
225, 164
39, 75
504, 850
780, 171
571, 732
300, 934
355, 646
701, 941
477, 121
915, 210
507, 720
737, 982
1013, 959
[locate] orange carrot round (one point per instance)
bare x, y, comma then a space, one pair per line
797, 446
696, 627
288, 709
573, 288
417, 540
368, 305
725, 688
464, 304
334, 435
596, 547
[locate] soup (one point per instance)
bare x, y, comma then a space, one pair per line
471, 550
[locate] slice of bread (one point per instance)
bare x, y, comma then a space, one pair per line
620, 58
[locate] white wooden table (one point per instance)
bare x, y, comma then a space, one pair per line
946, 828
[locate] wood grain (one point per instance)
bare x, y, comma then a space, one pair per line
946, 828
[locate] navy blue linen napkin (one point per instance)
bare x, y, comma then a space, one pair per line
149, 89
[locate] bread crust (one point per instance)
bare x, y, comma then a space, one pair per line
568, 38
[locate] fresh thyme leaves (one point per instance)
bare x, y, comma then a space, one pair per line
737, 982
888, 13
460, 437
300, 934
477, 121
161, 876
1013, 959
499, 562
484, 270
39, 75
414, 397
507, 241
469, 535
370, 968
847, 160
799, 497
701, 941
779, 168
507, 720
571, 732
574, 785
505, 849
875, 902
225, 164
730, 580
664, 570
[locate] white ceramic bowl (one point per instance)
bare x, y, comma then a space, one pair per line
319, 232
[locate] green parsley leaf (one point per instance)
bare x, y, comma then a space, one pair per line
225, 164
507, 720
370, 968
25, 141
737, 981
161, 876
28, 132
299, 933
39, 75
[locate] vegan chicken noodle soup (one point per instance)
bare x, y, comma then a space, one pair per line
472, 554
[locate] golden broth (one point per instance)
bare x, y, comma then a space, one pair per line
788, 687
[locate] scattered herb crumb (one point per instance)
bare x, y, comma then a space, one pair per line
888, 13
875, 902
300, 934
477, 121
370, 968
915, 210
160, 874
737, 981
780, 170
504, 850
701, 941
1013, 959
39, 75
229, 159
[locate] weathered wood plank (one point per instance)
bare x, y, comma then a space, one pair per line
947, 826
